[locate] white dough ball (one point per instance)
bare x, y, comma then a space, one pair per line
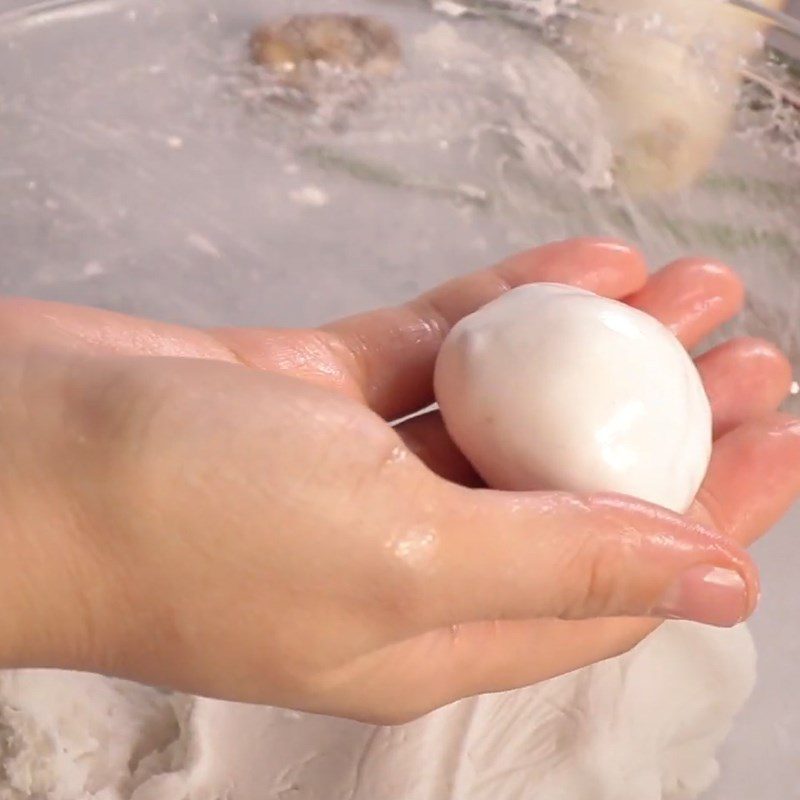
553, 387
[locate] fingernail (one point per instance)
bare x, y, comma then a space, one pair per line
711, 595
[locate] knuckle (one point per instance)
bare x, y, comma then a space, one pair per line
402, 553
406, 591
112, 405
395, 601
713, 511
118, 417
590, 587
350, 353
435, 316
77, 409
368, 459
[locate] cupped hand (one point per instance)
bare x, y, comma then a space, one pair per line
239, 513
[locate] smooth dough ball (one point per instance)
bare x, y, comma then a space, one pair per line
553, 387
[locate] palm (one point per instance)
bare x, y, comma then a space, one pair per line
385, 360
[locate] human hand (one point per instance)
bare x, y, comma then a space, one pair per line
229, 513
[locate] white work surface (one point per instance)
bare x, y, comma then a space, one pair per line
119, 188
762, 759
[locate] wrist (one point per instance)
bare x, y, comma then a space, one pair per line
51, 598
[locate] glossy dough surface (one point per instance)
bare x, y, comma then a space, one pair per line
552, 387
646, 726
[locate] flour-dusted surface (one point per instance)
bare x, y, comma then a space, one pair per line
646, 726
762, 757
151, 173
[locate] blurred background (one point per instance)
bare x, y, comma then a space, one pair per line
147, 166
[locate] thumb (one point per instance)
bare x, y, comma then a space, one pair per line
554, 555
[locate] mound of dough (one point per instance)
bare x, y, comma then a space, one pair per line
645, 726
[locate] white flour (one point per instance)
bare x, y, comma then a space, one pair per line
149, 173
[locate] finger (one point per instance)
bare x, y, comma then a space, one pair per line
758, 366
440, 667
692, 297
35, 322
753, 480
302, 353
744, 379
392, 351
555, 555
427, 437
